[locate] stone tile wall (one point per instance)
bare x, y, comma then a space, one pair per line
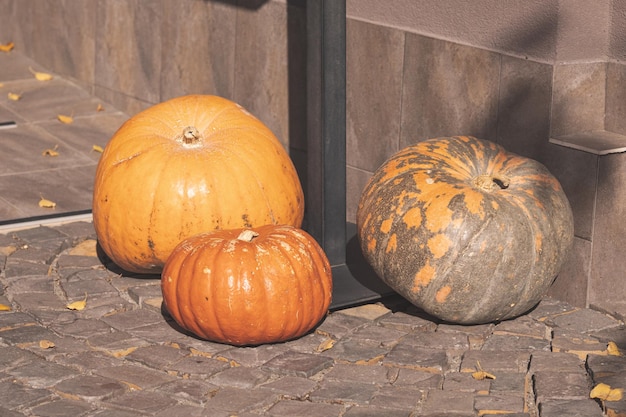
403, 87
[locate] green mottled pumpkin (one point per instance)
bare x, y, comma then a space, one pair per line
465, 230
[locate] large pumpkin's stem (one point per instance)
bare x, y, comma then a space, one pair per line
191, 135
491, 183
247, 235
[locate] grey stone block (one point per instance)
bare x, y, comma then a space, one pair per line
569, 408
298, 364
90, 388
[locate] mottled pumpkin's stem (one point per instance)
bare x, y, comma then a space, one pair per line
491, 183
247, 235
190, 135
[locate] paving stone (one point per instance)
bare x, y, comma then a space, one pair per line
429, 360
88, 361
240, 377
38, 234
560, 385
103, 305
493, 361
12, 319
373, 374
235, 400
113, 413
615, 408
498, 404
116, 343
358, 351
189, 390
147, 402
307, 343
615, 335
448, 403
463, 381
548, 308
61, 408
5, 412
340, 325
298, 364
375, 411
353, 393
90, 387
291, 408
133, 319
555, 361
136, 376
291, 387
13, 395
367, 311
253, 356
437, 340
26, 335
196, 367
55, 346
407, 322
418, 379
39, 284
41, 373
93, 289
602, 366
39, 301
157, 356
570, 408
523, 326
585, 320
383, 335
180, 410
146, 295
576, 343
11, 357
83, 328
509, 383
403, 398
49, 318
503, 342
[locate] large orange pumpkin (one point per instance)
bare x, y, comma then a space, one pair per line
248, 286
465, 230
185, 166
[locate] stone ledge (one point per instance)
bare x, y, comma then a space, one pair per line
597, 142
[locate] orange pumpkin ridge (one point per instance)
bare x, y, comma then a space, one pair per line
185, 166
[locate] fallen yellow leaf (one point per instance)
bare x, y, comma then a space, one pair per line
78, 305
46, 203
613, 350
14, 96
325, 345
46, 344
604, 392
97, 148
41, 76
68, 120
4, 307
6, 47
51, 152
100, 107
480, 374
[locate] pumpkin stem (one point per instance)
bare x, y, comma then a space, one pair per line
247, 235
191, 135
491, 183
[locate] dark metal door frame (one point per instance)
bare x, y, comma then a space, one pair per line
353, 281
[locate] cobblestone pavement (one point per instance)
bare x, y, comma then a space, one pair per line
122, 356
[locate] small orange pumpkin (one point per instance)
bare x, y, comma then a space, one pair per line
248, 286
465, 230
187, 166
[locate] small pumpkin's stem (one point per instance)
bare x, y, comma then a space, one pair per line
491, 183
247, 235
191, 135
